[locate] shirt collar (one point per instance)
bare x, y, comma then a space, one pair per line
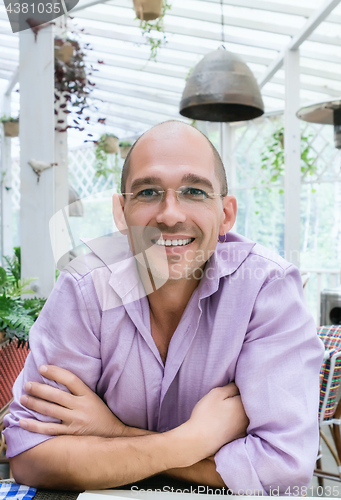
115, 253
225, 260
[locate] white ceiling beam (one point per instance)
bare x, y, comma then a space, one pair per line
126, 78
99, 50
141, 40
124, 117
136, 65
177, 30
311, 25
5, 75
85, 5
313, 88
129, 112
144, 54
137, 92
197, 15
299, 35
269, 6
116, 98
282, 8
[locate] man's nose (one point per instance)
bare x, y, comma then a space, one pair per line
170, 212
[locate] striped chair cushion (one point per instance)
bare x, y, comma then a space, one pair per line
331, 337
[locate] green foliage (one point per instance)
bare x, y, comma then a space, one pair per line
273, 158
7, 118
101, 157
17, 315
125, 144
156, 25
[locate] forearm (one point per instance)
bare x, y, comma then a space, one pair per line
89, 462
203, 472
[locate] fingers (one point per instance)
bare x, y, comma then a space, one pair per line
62, 376
48, 393
46, 428
228, 391
44, 407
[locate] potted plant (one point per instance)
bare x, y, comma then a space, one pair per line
107, 144
151, 14
147, 10
11, 126
71, 83
63, 50
124, 148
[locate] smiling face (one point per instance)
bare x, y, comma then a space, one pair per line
166, 158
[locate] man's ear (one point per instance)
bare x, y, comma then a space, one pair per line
118, 213
230, 214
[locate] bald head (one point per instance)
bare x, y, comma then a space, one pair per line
167, 132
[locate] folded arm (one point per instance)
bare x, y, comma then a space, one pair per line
94, 449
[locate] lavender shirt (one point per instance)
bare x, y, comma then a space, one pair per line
246, 322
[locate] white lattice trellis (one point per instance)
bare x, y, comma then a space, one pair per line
252, 139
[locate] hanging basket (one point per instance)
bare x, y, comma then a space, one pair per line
111, 144
11, 128
124, 150
64, 52
147, 10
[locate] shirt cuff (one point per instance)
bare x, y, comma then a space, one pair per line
236, 470
19, 440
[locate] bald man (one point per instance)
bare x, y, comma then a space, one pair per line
192, 355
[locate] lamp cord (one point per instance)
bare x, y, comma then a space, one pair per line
222, 22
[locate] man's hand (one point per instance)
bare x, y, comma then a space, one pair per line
81, 413
218, 418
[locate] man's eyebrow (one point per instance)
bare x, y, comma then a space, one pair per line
145, 180
188, 178
196, 179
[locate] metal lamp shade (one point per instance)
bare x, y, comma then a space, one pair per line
221, 88
325, 113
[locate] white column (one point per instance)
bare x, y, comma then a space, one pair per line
6, 187
59, 226
37, 142
228, 156
292, 150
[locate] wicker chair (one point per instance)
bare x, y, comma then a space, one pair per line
12, 360
330, 402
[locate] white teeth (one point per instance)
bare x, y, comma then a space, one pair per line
173, 243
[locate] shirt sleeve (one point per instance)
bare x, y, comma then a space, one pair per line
66, 334
277, 375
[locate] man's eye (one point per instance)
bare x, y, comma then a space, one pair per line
147, 193
195, 193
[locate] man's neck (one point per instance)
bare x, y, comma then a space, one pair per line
168, 303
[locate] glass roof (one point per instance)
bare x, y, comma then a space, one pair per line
133, 93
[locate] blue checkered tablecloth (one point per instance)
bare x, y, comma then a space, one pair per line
16, 491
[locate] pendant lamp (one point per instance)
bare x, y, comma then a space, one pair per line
221, 88
325, 113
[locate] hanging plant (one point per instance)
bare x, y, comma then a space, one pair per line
147, 26
107, 144
11, 126
124, 148
71, 82
273, 158
147, 10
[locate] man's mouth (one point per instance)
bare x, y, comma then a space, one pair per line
173, 243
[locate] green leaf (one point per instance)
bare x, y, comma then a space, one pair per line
3, 276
